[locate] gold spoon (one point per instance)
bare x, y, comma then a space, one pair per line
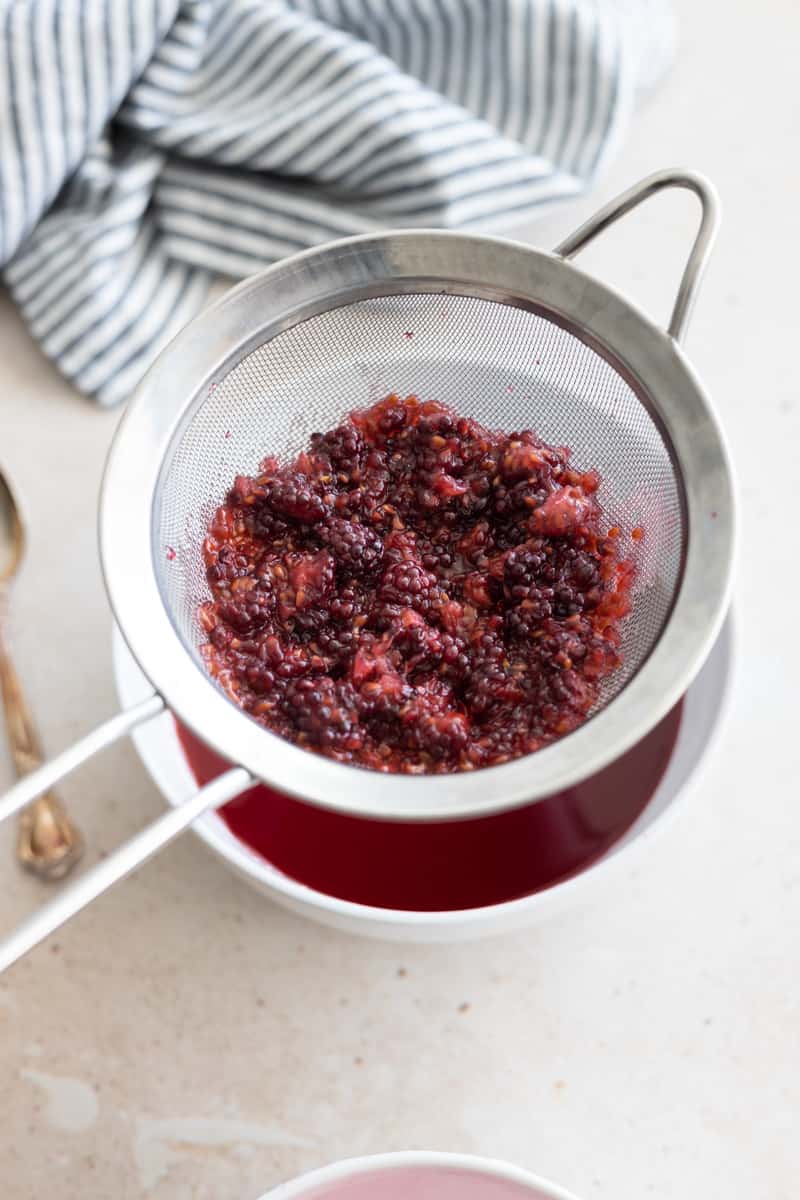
48, 844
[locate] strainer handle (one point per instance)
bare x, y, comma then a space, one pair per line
701, 250
136, 851
44, 777
105, 874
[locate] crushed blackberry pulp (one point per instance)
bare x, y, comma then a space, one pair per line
416, 593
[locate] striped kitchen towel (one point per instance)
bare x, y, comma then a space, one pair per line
147, 145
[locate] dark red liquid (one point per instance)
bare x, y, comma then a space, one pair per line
451, 865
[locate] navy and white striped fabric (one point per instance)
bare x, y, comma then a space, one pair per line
146, 145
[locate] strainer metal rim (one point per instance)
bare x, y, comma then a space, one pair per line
358, 268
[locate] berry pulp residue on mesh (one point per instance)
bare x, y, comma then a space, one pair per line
415, 592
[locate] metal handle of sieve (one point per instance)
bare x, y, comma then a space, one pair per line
132, 854
703, 243
44, 777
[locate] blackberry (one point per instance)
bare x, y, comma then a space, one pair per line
324, 710
338, 644
419, 645
524, 570
292, 495
524, 621
437, 424
384, 617
228, 564
578, 582
355, 547
520, 499
344, 446
273, 530
443, 735
248, 610
585, 571
391, 421
410, 586
260, 679
437, 555
490, 680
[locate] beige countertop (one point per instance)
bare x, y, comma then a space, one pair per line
185, 1038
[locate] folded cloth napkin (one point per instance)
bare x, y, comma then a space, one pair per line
147, 145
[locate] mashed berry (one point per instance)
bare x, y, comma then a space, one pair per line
415, 592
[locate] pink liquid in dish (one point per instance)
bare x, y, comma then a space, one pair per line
424, 1183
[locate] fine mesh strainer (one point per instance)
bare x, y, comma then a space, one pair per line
509, 335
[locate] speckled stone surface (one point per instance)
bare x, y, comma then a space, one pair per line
185, 1039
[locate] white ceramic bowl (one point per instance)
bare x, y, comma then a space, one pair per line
421, 1175
162, 755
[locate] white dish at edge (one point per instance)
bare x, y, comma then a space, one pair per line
492, 1170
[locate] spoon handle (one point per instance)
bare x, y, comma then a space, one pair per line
48, 843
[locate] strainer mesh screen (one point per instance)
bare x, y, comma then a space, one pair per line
506, 366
